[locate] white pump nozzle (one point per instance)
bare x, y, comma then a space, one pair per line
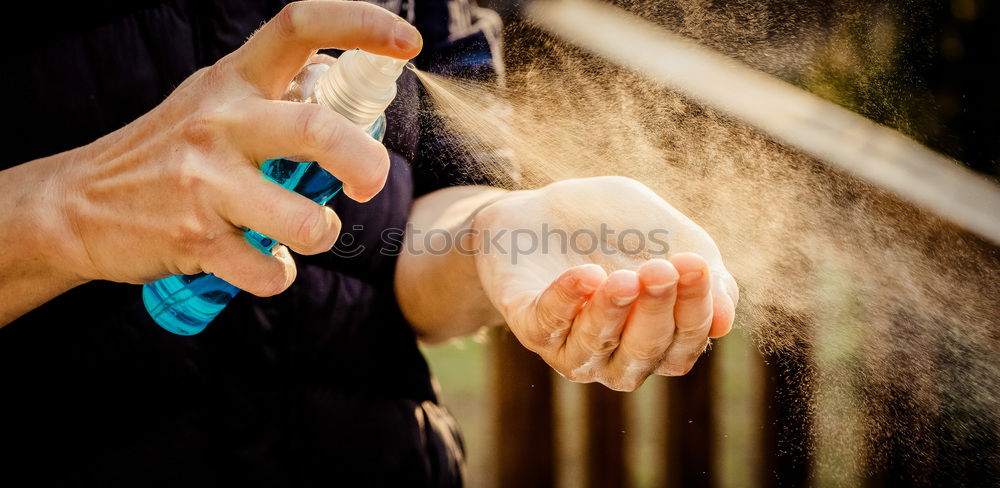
360, 85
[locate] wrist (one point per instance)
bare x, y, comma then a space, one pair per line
45, 224
32, 268
487, 214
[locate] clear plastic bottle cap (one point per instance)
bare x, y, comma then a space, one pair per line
360, 85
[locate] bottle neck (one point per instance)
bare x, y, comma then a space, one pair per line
359, 86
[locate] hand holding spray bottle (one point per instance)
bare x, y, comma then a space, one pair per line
359, 86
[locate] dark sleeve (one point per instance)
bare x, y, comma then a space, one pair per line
97, 66
463, 41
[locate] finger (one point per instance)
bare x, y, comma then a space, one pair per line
693, 314
723, 314
309, 132
597, 330
241, 265
725, 295
557, 306
649, 329
278, 50
253, 202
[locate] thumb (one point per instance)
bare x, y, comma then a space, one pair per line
272, 57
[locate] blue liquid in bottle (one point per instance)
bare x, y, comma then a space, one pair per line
185, 304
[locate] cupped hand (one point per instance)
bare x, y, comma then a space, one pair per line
604, 279
171, 192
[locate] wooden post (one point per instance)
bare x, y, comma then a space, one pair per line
691, 427
605, 437
787, 421
523, 426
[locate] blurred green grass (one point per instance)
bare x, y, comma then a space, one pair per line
460, 369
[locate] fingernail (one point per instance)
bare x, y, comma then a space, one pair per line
657, 290
690, 277
406, 35
624, 301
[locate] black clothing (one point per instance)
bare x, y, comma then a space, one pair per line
323, 384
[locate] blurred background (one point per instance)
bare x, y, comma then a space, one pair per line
743, 418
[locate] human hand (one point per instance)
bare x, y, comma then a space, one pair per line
172, 192
654, 312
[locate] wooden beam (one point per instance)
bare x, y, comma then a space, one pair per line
523, 426
793, 116
787, 436
691, 428
605, 437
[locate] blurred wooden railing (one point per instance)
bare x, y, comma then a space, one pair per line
525, 426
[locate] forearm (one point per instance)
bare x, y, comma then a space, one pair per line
437, 285
30, 238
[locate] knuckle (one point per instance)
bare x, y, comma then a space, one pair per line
372, 170
187, 176
311, 230
194, 230
646, 353
550, 324
693, 293
289, 20
194, 86
674, 369
192, 235
598, 344
203, 75
564, 290
601, 347
201, 72
185, 267
200, 128
606, 345
372, 21
276, 282
318, 130
211, 76
367, 19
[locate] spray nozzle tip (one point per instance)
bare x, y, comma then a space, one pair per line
386, 65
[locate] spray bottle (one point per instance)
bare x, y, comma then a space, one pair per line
359, 86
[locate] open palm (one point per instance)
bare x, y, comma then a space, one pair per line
604, 279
